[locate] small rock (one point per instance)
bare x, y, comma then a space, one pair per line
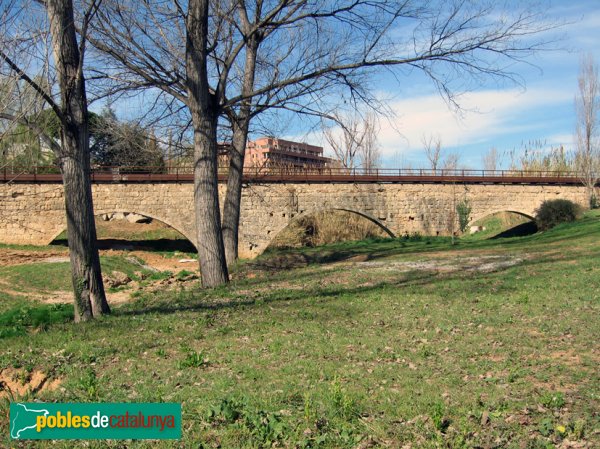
140, 275
475, 229
137, 218
117, 279
117, 216
189, 277
136, 261
359, 258
56, 259
485, 418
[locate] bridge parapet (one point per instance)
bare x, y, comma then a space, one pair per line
33, 213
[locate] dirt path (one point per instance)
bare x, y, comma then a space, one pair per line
12, 257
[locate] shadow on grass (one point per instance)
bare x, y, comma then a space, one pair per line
522, 230
181, 245
233, 296
202, 303
285, 259
228, 299
523, 237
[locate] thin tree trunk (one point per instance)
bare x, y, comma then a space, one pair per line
90, 299
204, 108
233, 195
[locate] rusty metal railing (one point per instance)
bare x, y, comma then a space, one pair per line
297, 174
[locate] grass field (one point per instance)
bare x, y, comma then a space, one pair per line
384, 343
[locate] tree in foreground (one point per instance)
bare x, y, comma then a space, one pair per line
73, 152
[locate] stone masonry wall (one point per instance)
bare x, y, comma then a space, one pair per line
34, 213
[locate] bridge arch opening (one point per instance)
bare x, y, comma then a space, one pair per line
329, 226
501, 224
134, 231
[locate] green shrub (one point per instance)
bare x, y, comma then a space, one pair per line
553, 212
193, 359
463, 209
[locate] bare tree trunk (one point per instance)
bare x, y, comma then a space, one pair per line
90, 299
204, 108
233, 196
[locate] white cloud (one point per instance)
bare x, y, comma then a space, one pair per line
487, 114
561, 139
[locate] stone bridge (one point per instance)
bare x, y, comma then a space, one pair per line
33, 212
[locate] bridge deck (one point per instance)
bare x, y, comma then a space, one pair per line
395, 176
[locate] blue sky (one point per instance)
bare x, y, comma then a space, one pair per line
501, 117
504, 117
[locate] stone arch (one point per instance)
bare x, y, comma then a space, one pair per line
368, 217
528, 215
179, 228
306, 213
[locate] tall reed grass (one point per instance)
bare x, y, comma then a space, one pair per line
326, 227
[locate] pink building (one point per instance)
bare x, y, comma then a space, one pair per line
272, 152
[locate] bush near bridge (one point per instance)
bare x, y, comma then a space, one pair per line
553, 212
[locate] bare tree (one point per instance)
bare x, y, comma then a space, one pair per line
73, 152
587, 107
204, 104
354, 140
491, 159
343, 141
537, 156
123, 143
302, 56
369, 150
451, 161
433, 150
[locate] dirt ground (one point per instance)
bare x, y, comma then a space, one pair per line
15, 382
11, 257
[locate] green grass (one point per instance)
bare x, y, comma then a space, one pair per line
156, 237
356, 354
26, 315
495, 224
33, 248
122, 229
43, 278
